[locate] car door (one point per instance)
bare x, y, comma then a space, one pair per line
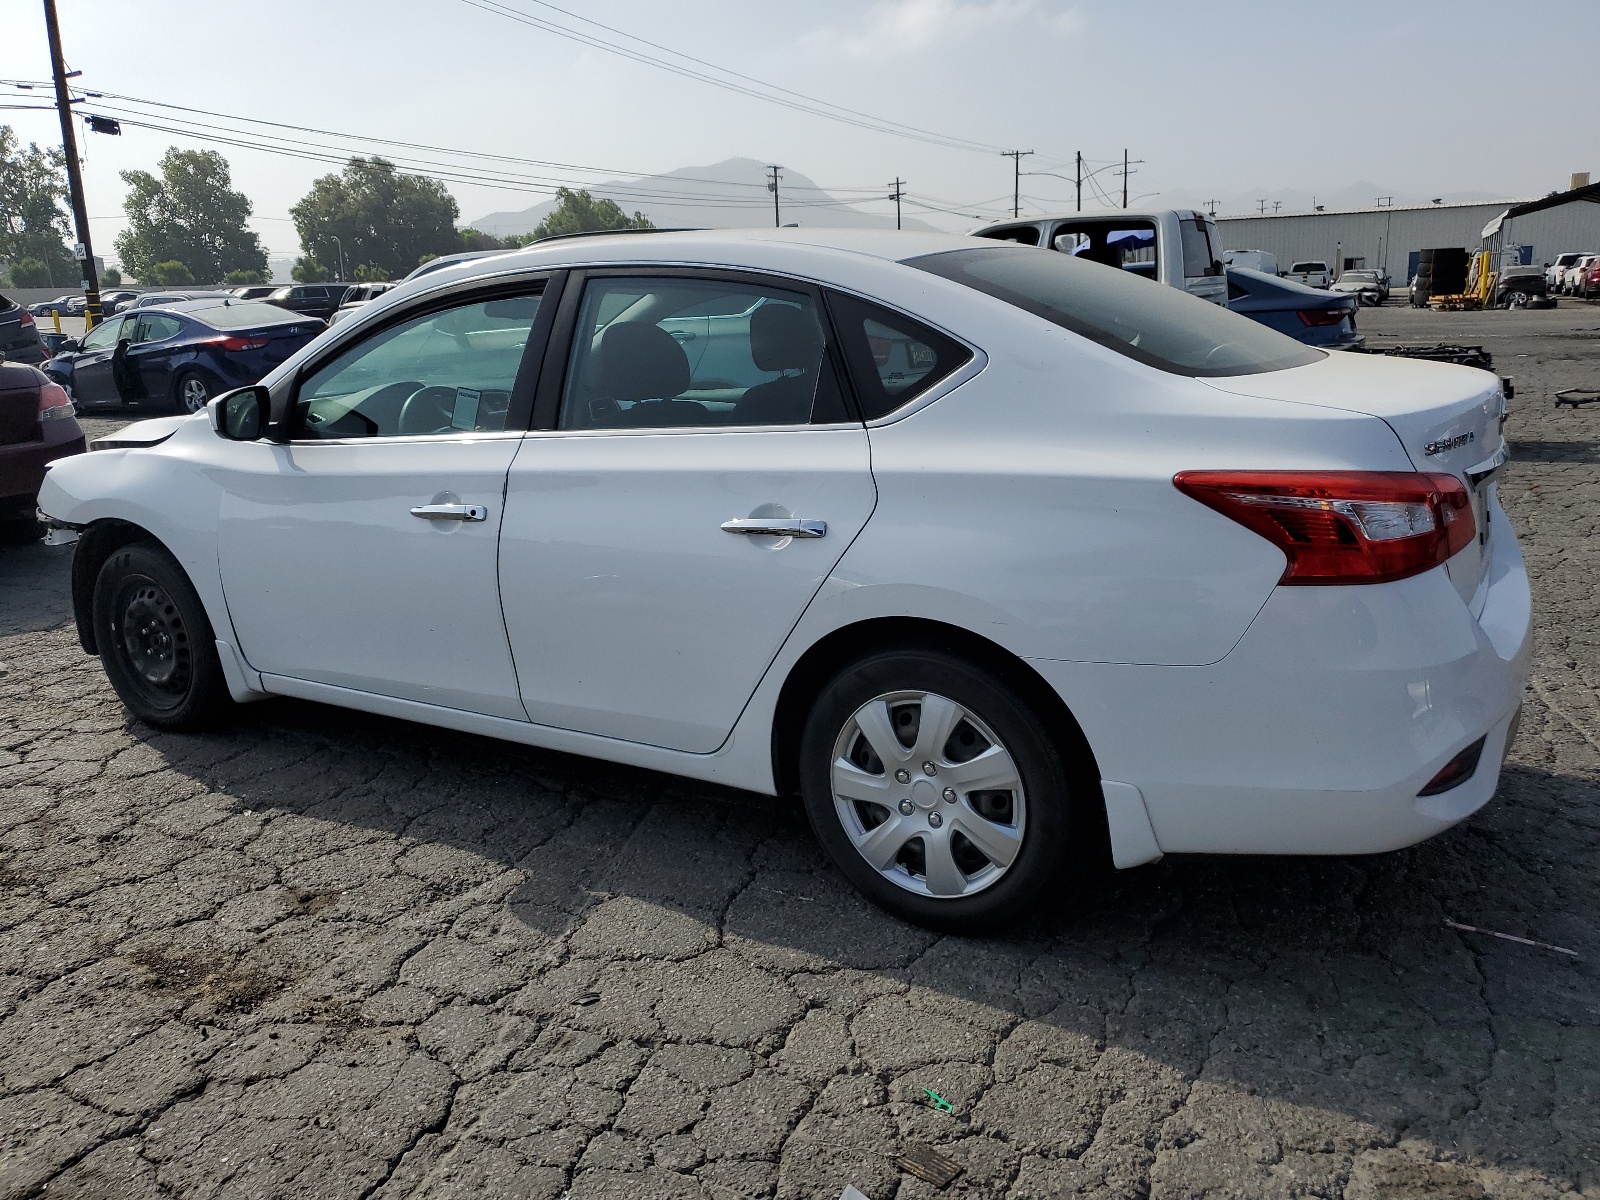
150, 349
92, 379
360, 551
666, 527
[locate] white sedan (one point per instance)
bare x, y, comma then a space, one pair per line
1004, 561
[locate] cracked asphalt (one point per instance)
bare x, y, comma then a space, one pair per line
322, 954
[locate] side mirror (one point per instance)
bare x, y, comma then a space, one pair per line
240, 415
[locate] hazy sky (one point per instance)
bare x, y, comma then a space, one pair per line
1224, 98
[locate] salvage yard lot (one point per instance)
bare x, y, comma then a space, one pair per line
326, 954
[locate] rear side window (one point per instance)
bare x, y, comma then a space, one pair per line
1162, 327
892, 358
1199, 255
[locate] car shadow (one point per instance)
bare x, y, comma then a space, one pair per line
1555, 452
1331, 986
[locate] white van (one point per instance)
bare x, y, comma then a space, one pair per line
1256, 260
1178, 247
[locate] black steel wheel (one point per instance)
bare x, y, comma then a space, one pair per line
155, 641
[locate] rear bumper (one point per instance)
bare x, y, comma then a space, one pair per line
22, 465
1316, 733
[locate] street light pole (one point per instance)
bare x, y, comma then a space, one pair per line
340, 245
69, 146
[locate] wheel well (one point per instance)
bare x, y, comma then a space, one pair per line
838, 649
97, 543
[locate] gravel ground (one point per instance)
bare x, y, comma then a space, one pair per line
325, 954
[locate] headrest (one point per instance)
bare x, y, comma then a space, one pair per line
783, 337
639, 361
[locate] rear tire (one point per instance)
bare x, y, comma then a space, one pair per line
156, 643
190, 392
966, 845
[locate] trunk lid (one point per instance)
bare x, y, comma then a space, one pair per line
19, 405
1448, 418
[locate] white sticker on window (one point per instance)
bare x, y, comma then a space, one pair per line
466, 410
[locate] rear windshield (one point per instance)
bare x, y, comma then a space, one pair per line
245, 314
1162, 327
1309, 266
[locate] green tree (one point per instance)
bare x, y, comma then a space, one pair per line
30, 273
112, 278
190, 214
241, 278
579, 212
167, 274
309, 270
382, 219
366, 274
33, 214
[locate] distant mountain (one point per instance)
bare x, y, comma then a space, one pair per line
725, 195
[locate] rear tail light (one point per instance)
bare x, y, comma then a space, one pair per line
235, 344
26, 318
1344, 526
1323, 316
54, 403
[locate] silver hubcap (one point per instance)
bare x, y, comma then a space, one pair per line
194, 394
928, 795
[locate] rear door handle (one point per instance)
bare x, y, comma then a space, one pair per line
776, 527
451, 512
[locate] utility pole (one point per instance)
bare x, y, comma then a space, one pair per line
1016, 157
69, 146
1080, 180
899, 192
1261, 207
772, 186
1212, 205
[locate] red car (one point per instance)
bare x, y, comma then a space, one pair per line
37, 424
1586, 282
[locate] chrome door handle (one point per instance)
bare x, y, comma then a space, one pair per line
451, 512
776, 527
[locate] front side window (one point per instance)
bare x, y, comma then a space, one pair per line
675, 352
447, 372
892, 358
1162, 327
104, 336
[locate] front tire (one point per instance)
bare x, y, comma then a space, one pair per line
190, 392
155, 641
939, 793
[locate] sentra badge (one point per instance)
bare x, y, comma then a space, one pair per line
1444, 444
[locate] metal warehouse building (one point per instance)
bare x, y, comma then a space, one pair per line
1389, 238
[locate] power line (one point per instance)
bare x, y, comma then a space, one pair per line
755, 88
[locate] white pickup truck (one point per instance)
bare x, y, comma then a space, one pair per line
1312, 273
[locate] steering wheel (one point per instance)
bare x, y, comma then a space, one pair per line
428, 410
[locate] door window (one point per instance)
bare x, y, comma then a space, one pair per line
103, 336
671, 351
155, 327
892, 358
448, 372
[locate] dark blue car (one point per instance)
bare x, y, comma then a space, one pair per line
181, 354
1307, 314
